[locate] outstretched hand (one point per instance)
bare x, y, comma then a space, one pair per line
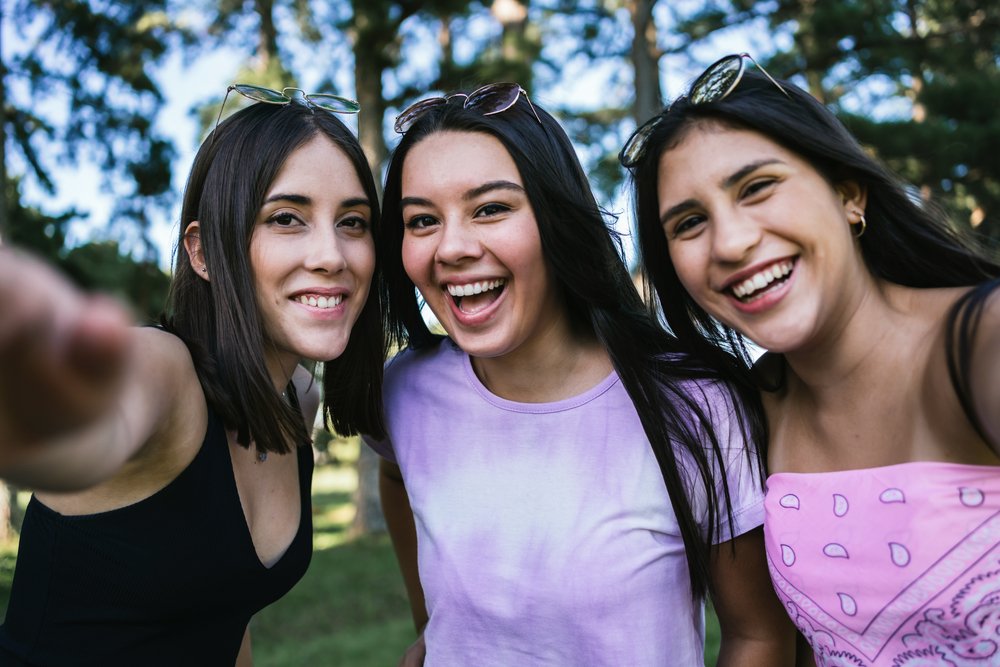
62, 353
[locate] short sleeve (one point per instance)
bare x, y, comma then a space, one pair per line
381, 447
740, 468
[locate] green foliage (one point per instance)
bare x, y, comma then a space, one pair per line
88, 65
100, 266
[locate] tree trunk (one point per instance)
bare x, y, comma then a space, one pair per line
645, 61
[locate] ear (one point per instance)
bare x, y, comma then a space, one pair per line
192, 244
854, 197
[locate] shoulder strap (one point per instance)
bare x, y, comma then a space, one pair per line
963, 321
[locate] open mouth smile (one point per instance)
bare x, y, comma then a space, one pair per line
762, 282
471, 298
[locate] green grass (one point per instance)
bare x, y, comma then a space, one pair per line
350, 609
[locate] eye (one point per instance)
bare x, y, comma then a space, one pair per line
491, 209
420, 221
283, 219
687, 225
354, 223
758, 186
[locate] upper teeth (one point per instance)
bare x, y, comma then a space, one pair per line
763, 278
321, 301
475, 288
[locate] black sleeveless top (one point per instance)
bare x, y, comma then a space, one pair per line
171, 580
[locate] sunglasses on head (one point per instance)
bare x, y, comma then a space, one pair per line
324, 101
714, 84
490, 99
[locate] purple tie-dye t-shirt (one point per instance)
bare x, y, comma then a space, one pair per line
545, 533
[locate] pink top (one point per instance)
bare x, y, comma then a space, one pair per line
896, 566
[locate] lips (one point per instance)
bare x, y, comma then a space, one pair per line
761, 281
474, 297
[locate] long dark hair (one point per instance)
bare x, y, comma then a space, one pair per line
907, 241
220, 320
585, 259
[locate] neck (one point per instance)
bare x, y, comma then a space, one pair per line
563, 367
859, 349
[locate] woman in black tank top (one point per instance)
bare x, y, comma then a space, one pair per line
172, 464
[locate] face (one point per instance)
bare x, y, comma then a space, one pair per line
759, 238
471, 245
312, 256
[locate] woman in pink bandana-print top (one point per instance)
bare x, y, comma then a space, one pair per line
759, 214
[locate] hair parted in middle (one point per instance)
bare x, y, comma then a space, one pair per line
220, 320
585, 258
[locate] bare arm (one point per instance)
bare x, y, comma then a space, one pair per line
245, 657
75, 397
399, 521
755, 628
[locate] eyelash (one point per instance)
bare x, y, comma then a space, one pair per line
283, 219
757, 185
415, 222
484, 209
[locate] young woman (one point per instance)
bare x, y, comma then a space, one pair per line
573, 483
202, 435
758, 212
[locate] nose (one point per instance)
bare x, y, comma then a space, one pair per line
324, 254
733, 237
458, 241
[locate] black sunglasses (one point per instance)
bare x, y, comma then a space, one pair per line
488, 100
714, 84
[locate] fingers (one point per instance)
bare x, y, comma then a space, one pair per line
62, 353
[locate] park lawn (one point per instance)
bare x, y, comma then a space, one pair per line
350, 608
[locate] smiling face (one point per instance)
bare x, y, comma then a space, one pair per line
312, 256
759, 238
471, 246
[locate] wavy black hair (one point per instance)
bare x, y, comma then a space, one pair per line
907, 241
585, 258
220, 320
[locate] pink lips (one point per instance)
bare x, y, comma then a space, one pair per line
770, 295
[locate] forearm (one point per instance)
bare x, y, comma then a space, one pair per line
755, 628
402, 531
736, 651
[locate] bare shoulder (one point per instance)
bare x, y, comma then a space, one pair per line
964, 361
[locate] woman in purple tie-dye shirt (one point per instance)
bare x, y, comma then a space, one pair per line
571, 482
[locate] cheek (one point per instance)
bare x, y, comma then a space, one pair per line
414, 256
689, 269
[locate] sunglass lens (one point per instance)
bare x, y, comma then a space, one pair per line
717, 81
493, 98
414, 111
260, 94
334, 103
636, 144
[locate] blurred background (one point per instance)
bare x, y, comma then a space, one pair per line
104, 103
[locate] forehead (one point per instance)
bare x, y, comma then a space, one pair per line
320, 164
459, 160
707, 152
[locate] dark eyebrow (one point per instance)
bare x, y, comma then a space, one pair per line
489, 187
467, 196
413, 201
677, 208
295, 199
737, 175
302, 200
726, 183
